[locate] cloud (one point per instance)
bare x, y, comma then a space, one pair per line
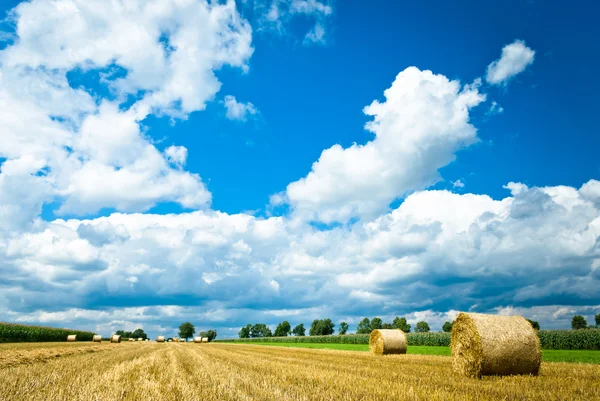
88, 152
458, 184
515, 58
250, 269
495, 108
423, 121
277, 15
238, 110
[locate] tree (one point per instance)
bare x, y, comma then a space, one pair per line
376, 324
260, 330
534, 324
210, 334
578, 322
364, 326
186, 330
447, 327
299, 330
137, 333
124, 334
245, 331
400, 323
597, 319
323, 327
283, 329
387, 326
422, 327
343, 328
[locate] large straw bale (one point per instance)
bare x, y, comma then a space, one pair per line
115, 338
204, 339
72, 338
387, 341
494, 345
97, 339
197, 339
160, 339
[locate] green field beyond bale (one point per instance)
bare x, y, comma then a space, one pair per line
548, 355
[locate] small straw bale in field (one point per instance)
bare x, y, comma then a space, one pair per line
175, 339
130, 339
71, 338
182, 340
197, 340
387, 341
170, 341
204, 339
115, 338
140, 339
160, 339
494, 345
97, 339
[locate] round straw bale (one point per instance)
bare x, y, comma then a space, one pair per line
387, 341
204, 339
71, 338
197, 339
130, 339
494, 345
175, 339
97, 339
160, 339
140, 339
115, 338
182, 340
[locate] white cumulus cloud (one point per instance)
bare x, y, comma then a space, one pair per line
515, 58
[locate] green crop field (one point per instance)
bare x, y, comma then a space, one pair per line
548, 355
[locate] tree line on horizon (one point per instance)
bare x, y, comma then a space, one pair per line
325, 327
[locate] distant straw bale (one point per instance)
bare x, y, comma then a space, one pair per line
72, 338
140, 339
160, 339
494, 345
204, 339
115, 338
130, 339
197, 339
97, 339
182, 340
387, 341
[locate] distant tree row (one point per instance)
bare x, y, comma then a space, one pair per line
187, 330
578, 322
137, 333
325, 327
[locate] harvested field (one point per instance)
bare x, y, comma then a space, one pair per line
247, 372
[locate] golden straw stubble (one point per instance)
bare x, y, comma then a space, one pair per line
494, 345
387, 341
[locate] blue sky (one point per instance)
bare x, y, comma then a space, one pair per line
265, 160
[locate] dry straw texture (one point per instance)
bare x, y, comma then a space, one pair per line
97, 339
115, 338
160, 339
197, 339
204, 339
384, 342
494, 345
231, 372
72, 338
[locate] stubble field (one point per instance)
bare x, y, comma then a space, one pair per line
186, 371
